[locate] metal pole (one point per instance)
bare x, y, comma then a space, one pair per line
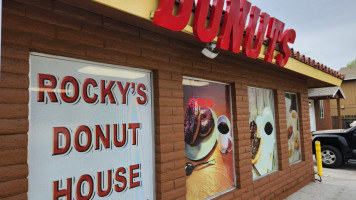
318, 158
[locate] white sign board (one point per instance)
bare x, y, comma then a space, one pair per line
91, 131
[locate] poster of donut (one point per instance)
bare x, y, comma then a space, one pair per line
295, 153
208, 136
263, 131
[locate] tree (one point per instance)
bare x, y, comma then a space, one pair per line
352, 63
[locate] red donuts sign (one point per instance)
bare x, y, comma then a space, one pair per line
90, 131
232, 28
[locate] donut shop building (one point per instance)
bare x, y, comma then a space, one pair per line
148, 99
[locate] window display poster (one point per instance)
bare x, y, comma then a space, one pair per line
263, 131
208, 136
295, 153
90, 131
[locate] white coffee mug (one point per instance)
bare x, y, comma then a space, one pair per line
224, 136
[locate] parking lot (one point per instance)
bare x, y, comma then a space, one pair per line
337, 184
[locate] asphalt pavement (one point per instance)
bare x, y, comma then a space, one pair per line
337, 184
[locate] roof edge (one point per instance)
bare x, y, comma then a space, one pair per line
145, 9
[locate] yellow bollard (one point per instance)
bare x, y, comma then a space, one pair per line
318, 158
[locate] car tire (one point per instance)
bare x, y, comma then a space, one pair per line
331, 156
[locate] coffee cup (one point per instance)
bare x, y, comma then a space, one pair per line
224, 136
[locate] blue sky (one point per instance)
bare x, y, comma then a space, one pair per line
326, 29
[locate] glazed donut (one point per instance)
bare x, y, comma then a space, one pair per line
290, 151
206, 122
296, 143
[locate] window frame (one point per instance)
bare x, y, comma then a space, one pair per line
321, 109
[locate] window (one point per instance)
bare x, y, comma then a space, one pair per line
208, 125
321, 108
292, 116
51, 137
264, 155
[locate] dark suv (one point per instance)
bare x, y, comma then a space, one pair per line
337, 146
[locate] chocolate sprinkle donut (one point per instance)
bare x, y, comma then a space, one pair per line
198, 122
191, 124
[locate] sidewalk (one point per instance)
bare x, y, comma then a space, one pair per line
336, 184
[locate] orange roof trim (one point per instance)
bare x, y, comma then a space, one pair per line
307, 60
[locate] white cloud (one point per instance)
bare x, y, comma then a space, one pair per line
326, 29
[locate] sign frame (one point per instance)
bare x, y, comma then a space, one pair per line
101, 64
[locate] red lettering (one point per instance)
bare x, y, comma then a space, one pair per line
210, 103
57, 131
84, 187
43, 87
234, 25
121, 179
64, 89
134, 127
164, 17
264, 19
288, 37
274, 33
250, 32
134, 175
123, 141
101, 192
232, 29
123, 91
57, 193
193, 102
107, 91
78, 139
201, 32
247, 48
99, 135
83, 137
85, 178
133, 86
140, 91
87, 82
201, 102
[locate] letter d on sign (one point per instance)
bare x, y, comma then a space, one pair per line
57, 146
201, 32
164, 14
